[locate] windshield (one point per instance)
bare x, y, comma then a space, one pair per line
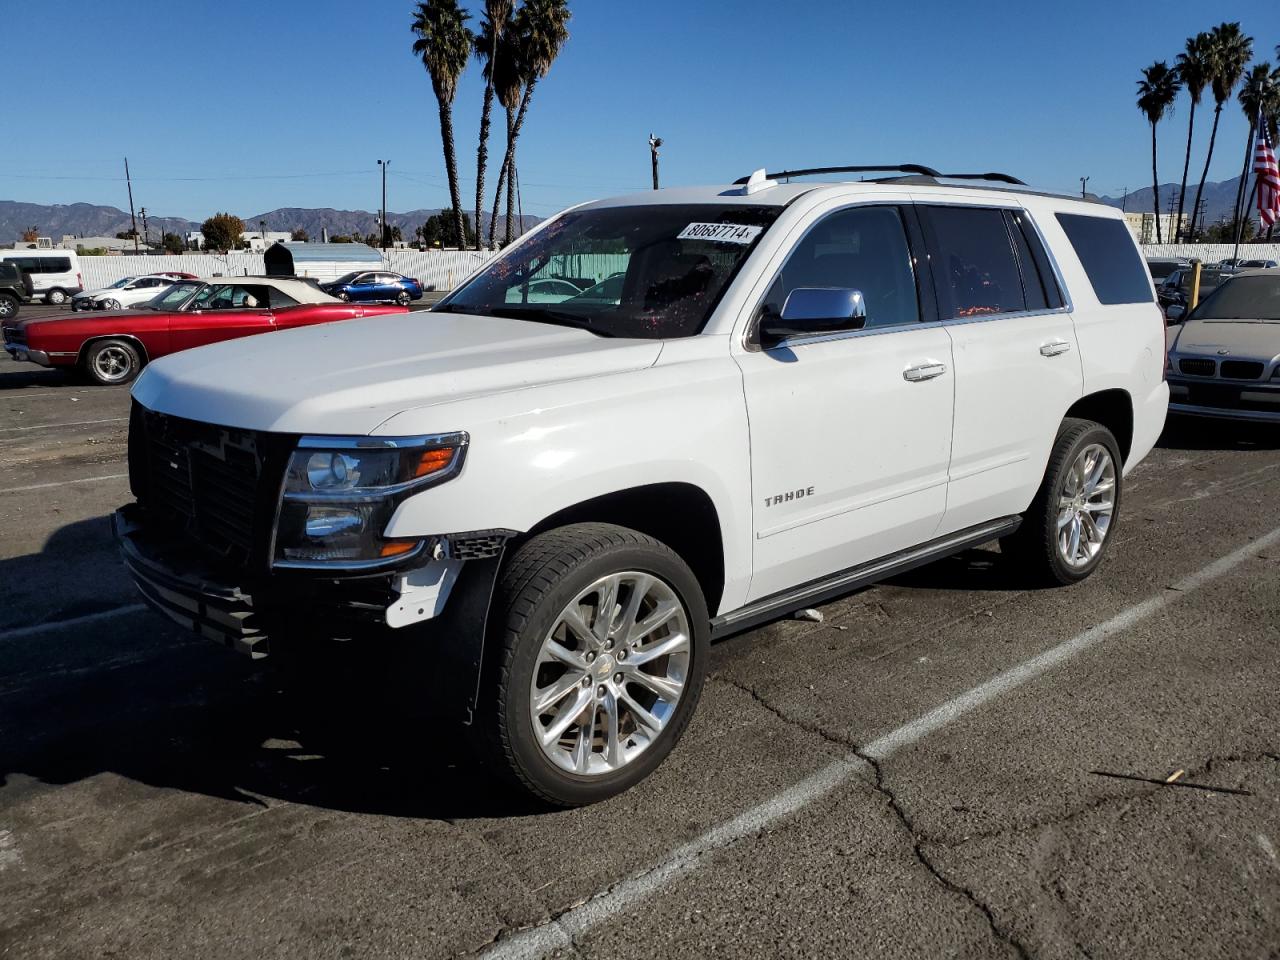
122, 282
345, 279
1160, 269
1242, 298
652, 272
174, 297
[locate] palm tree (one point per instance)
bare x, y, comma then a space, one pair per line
541, 30
444, 46
1229, 51
1259, 97
1193, 69
497, 17
1157, 90
508, 84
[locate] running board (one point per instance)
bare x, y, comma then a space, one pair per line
846, 581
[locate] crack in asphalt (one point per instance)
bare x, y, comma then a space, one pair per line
917, 839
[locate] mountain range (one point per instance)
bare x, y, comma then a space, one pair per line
92, 220
1218, 198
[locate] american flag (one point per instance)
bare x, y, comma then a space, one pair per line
1264, 166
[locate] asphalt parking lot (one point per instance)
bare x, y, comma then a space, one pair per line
946, 766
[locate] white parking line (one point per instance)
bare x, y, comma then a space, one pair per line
74, 423
22, 633
6, 395
559, 933
63, 483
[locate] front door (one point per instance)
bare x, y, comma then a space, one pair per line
222, 311
850, 432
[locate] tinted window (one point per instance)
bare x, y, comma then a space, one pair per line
1109, 256
974, 266
1020, 223
1032, 285
862, 249
1242, 298
1159, 269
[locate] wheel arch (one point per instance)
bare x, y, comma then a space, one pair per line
1113, 409
680, 514
83, 353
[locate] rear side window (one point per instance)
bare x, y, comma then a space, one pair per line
1109, 257
975, 267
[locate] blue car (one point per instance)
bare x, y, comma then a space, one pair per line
366, 286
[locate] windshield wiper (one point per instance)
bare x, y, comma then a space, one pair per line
559, 318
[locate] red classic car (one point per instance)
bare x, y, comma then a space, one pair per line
112, 347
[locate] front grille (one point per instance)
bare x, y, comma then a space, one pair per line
1241, 369
1198, 368
208, 481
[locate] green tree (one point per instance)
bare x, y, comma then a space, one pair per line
1193, 69
222, 232
444, 45
440, 230
540, 31
1259, 97
1228, 53
1157, 90
497, 18
341, 238
299, 236
173, 243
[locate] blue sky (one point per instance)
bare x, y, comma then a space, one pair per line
250, 106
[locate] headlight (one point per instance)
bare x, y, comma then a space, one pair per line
339, 495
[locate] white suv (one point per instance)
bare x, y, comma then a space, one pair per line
537, 515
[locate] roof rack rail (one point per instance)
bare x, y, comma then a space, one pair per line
998, 177
874, 168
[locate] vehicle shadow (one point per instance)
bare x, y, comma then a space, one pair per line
1201, 433
33, 376
979, 568
132, 695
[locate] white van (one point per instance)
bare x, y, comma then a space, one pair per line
55, 274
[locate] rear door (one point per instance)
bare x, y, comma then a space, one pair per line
1017, 363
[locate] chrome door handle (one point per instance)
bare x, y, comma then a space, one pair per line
1054, 348
924, 371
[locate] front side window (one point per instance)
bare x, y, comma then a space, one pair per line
974, 266
674, 261
176, 296
1109, 256
864, 248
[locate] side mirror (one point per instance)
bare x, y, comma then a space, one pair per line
815, 310
1175, 312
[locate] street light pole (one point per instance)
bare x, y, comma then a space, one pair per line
1083, 181
146, 234
384, 164
654, 144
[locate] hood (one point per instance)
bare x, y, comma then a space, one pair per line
1251, 339
86, 317
349, 377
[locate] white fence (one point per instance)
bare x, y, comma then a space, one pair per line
1213, 252
439, 269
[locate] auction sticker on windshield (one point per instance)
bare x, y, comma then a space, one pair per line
720, 232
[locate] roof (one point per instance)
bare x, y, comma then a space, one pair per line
311, 252
299, 290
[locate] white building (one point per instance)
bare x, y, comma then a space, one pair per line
1143, 226
259, 240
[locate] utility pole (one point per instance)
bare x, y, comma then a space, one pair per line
1083, 181
384, 164
132, 217
654, 144
1124, 201
146, 236
262, 228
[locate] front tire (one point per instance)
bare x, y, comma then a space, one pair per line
602, 639
112, 362
1073, 518
8, 306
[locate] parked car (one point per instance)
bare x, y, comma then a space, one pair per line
15, 289
1259, 264
1225, 360
125, 292
1175, 291
1161, 267
538, 515
55, 274
113, 347
371, 286
546, 290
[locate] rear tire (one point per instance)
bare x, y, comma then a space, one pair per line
56, 297
620, 686
1073, 518
112, 362
403, 298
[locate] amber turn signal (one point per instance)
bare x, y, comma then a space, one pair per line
433, 461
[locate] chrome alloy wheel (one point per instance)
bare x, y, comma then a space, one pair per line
112, 363
1085, 505
610, 673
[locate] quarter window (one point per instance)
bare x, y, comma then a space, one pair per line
975, 267
1109, 257
864, 248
